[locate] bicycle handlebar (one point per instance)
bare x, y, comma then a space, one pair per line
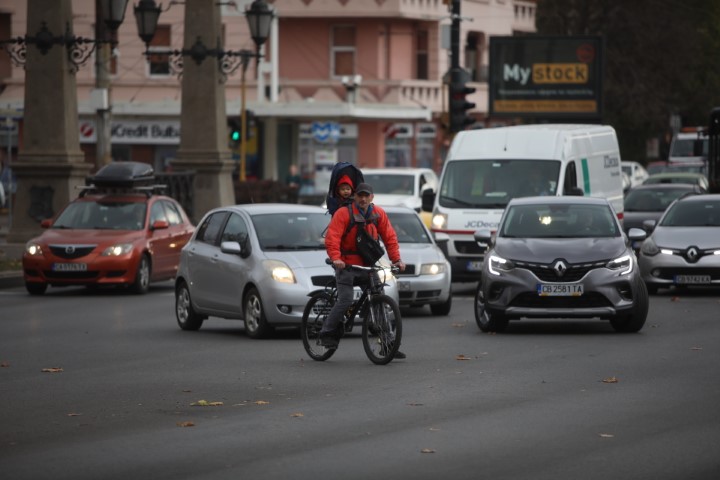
395, 270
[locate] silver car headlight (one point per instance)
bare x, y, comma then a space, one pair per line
117, 250
279, 271
432, 268
624, 264
33, 249
498, 264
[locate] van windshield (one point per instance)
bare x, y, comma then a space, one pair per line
493, 183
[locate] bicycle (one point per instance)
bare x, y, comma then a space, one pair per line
380, 314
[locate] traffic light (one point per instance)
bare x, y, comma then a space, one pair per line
233, 132
459, 119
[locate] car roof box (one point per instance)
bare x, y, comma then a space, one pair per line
123, 175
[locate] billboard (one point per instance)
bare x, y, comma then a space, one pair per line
548, 77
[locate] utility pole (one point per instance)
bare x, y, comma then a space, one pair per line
101, 95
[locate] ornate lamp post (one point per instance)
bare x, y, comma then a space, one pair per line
79, 48
259, 17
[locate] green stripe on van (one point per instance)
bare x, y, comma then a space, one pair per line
586, 175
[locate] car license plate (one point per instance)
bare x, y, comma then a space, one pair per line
474, 266
559, 289
69, 267
690, 279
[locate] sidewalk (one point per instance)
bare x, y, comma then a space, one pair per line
9, 279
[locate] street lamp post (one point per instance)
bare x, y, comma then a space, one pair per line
79, 48
259, 17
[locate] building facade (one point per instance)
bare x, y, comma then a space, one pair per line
341, 80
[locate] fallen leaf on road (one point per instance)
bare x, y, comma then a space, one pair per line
52, 370
185, 424
205, 403
675, 299
74, 414
296, 415
458, 325
610, 380
261, 402
415, 404
462, 357
427, 450
5, 364
606, 435
696, 348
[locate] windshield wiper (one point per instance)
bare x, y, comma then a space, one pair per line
457, 200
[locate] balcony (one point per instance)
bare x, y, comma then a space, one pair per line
408, 9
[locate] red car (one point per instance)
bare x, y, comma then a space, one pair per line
119, 232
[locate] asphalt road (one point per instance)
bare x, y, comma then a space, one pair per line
546, 400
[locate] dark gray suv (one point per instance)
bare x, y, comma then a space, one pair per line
560, 257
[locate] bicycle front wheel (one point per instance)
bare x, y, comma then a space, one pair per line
382, 330
316, 311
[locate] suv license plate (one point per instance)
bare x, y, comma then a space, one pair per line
689, 279
559, 289
69, 267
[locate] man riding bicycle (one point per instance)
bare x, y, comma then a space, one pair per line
342, 250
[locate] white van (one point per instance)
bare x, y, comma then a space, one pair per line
486, 168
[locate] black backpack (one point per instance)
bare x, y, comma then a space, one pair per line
340, 169
365, 245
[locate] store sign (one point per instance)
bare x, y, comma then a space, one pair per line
546, 77
136, 132
322, 131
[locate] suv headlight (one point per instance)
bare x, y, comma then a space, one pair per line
624, 264
497, 264
117, 250
279, 271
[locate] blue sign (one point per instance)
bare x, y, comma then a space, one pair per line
326, 132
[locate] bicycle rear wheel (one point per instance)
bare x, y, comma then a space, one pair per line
382, 330
316, 311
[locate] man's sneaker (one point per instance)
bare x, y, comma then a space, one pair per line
400, 355
329, 341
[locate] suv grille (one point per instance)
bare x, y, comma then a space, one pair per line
587, 300
574, 272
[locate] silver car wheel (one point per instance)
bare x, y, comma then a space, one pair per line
182, 305
256, 325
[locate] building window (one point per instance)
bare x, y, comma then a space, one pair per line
343, 50
159, 63
421, 55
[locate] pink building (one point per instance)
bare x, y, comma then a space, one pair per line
353, 80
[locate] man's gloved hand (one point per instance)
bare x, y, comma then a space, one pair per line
338, 264
400, 265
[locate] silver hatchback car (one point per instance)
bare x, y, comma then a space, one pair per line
427, 276
683, 248
257, 263
560, 257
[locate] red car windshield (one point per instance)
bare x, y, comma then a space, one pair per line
103, 216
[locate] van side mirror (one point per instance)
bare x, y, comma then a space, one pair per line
428, 200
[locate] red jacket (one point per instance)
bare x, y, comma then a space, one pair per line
335, 243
